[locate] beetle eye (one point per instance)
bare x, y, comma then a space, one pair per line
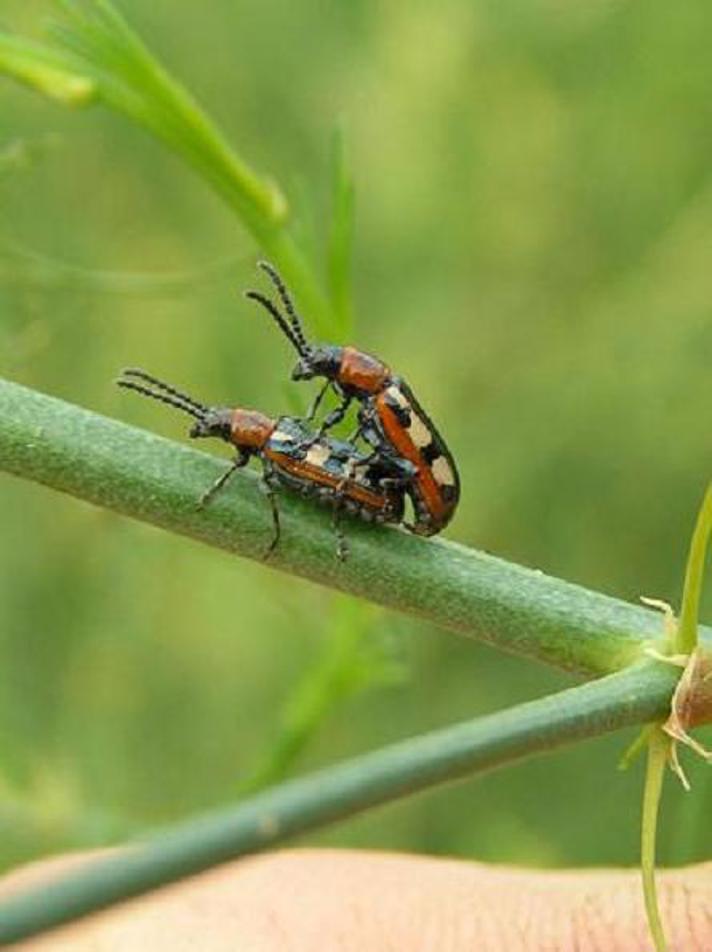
303, 370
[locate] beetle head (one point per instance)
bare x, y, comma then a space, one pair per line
216, 421
323, 360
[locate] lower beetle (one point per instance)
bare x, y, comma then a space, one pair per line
330, 471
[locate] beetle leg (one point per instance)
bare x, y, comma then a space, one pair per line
336, 416
242, 459
395, 482
342, 545
397, 472
367, 429
272, 497
317, 401
332, 418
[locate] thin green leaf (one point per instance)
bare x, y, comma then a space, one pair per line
22, 267
352, 661
636, 748
658, 745
44, 70
686, 640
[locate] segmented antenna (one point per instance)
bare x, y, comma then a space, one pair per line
162, 385
166, 394
289, 307
298, 343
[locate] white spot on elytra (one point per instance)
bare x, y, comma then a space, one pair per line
317, 455
395, 394
442, 471
419, 433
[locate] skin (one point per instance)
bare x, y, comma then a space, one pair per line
348, 901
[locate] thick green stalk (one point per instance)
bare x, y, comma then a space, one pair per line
629, 697
142, 475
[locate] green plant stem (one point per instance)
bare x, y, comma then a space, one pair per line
629, 697
144, 476
658, 745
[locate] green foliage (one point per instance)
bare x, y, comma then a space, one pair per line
82, 453
130, 80
340, 244
97, 55
353, 660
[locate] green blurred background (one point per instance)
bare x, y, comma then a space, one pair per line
534, 230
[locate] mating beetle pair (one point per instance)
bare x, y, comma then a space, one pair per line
390, 418
406, 454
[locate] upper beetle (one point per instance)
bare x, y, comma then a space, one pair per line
390, 418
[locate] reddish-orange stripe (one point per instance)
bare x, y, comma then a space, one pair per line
315, 475
398, 436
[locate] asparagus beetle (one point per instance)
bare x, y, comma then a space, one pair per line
390, 419
330, 471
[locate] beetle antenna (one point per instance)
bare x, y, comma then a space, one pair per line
296, 321
166, 387
168, 398
298, 343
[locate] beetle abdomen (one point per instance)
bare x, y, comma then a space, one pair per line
436, 488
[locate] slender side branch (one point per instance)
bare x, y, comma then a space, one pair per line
144, 476
658, 751
630, 697
46, 70
95, 56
